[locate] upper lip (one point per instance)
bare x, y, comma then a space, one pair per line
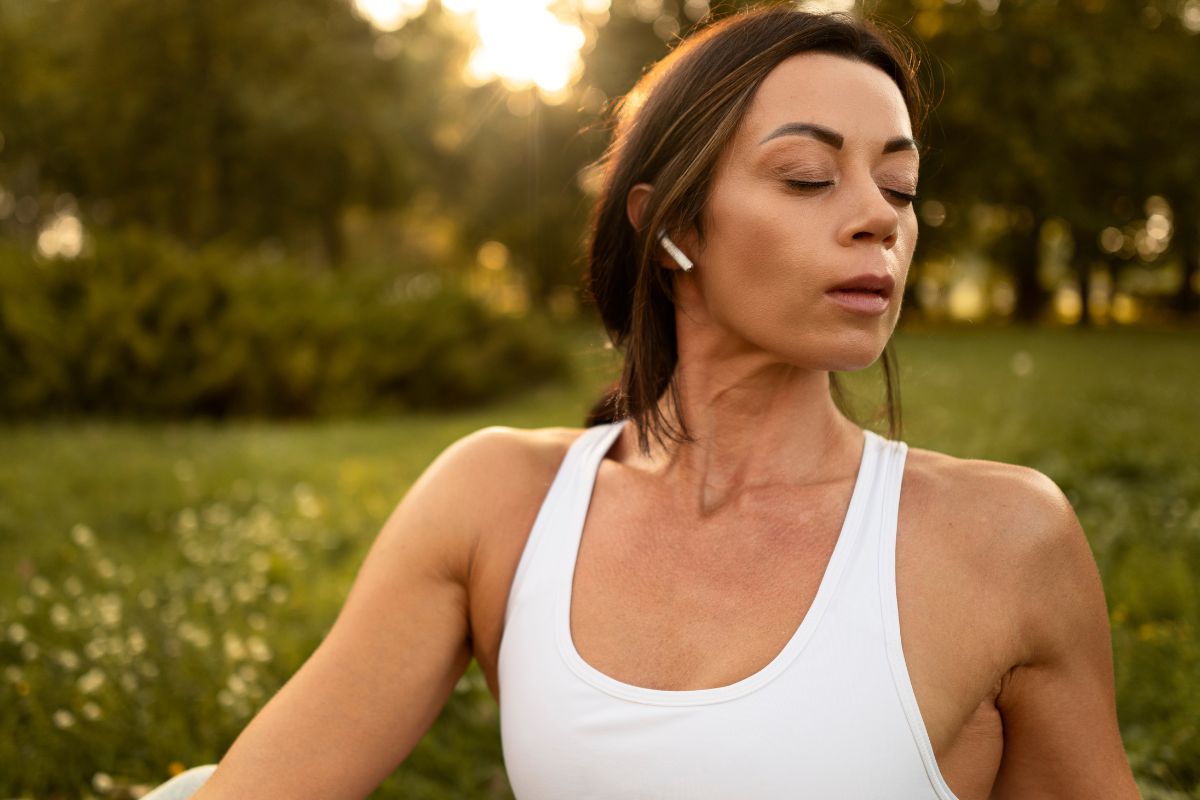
869, 282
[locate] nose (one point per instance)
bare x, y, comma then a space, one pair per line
873, 218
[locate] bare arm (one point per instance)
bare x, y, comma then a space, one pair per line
370, 691
1061, 738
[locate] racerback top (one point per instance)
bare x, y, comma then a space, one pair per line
832, 717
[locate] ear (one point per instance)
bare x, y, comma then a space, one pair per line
635, 203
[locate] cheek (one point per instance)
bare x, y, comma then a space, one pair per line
759, 258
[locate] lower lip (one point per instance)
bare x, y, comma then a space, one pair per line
859, 302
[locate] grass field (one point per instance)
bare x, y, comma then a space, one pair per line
159, 582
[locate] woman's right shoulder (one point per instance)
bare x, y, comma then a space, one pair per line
493, 473
499, 455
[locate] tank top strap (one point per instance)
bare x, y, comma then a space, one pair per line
893, 455
564, 502
896, 454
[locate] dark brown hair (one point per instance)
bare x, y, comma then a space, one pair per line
670, 130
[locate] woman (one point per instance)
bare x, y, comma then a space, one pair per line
703, 593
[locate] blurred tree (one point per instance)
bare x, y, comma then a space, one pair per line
507, 165
1167, 126
1038, 116
207, 119
210, 120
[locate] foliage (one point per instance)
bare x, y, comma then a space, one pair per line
203, 120
196, 547
142, 326
1040, 120
200, 121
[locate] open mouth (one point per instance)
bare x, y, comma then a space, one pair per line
861, 300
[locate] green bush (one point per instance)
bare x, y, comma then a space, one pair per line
141, 326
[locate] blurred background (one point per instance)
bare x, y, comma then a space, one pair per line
261, 262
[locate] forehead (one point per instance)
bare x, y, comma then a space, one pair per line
856, 99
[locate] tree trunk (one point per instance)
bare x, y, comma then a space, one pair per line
1083, 273
1020, 252
1186, 302
333, 242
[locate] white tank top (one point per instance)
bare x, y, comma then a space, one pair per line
832, 716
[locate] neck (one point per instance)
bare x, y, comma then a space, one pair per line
755, 425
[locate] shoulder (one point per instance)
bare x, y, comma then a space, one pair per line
495, 462
500, 444
1012, 496
490, 487
1025, 569
499, 458
488, 478
1015, 528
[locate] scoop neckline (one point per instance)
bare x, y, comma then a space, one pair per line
830, 578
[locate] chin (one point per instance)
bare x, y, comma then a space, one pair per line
854, 359
844, 351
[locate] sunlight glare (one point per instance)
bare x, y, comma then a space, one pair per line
62, 237
506, 51
1189, 14
521, 42
966, 300
825, 6
390, 15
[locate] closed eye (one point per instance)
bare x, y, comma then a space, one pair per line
905, 199
808, 184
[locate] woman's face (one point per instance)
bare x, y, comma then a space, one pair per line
773, 249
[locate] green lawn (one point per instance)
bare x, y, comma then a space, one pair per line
159, 582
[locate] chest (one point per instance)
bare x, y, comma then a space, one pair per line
668, 607
693, 606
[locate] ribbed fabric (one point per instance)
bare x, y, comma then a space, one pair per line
833, 716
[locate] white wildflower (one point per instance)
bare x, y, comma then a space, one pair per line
95, 649
60, 616
90, 681
187, 520
234, 649
259, 650
102, 783
83, 536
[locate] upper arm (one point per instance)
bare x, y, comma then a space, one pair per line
1061, 738
401, 641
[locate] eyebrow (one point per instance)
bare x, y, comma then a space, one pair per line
833, 138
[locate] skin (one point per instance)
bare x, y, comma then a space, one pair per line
1005, 627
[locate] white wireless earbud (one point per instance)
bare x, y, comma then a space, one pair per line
683, 261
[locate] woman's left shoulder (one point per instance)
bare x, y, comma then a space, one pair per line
980, 481
1016, 508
